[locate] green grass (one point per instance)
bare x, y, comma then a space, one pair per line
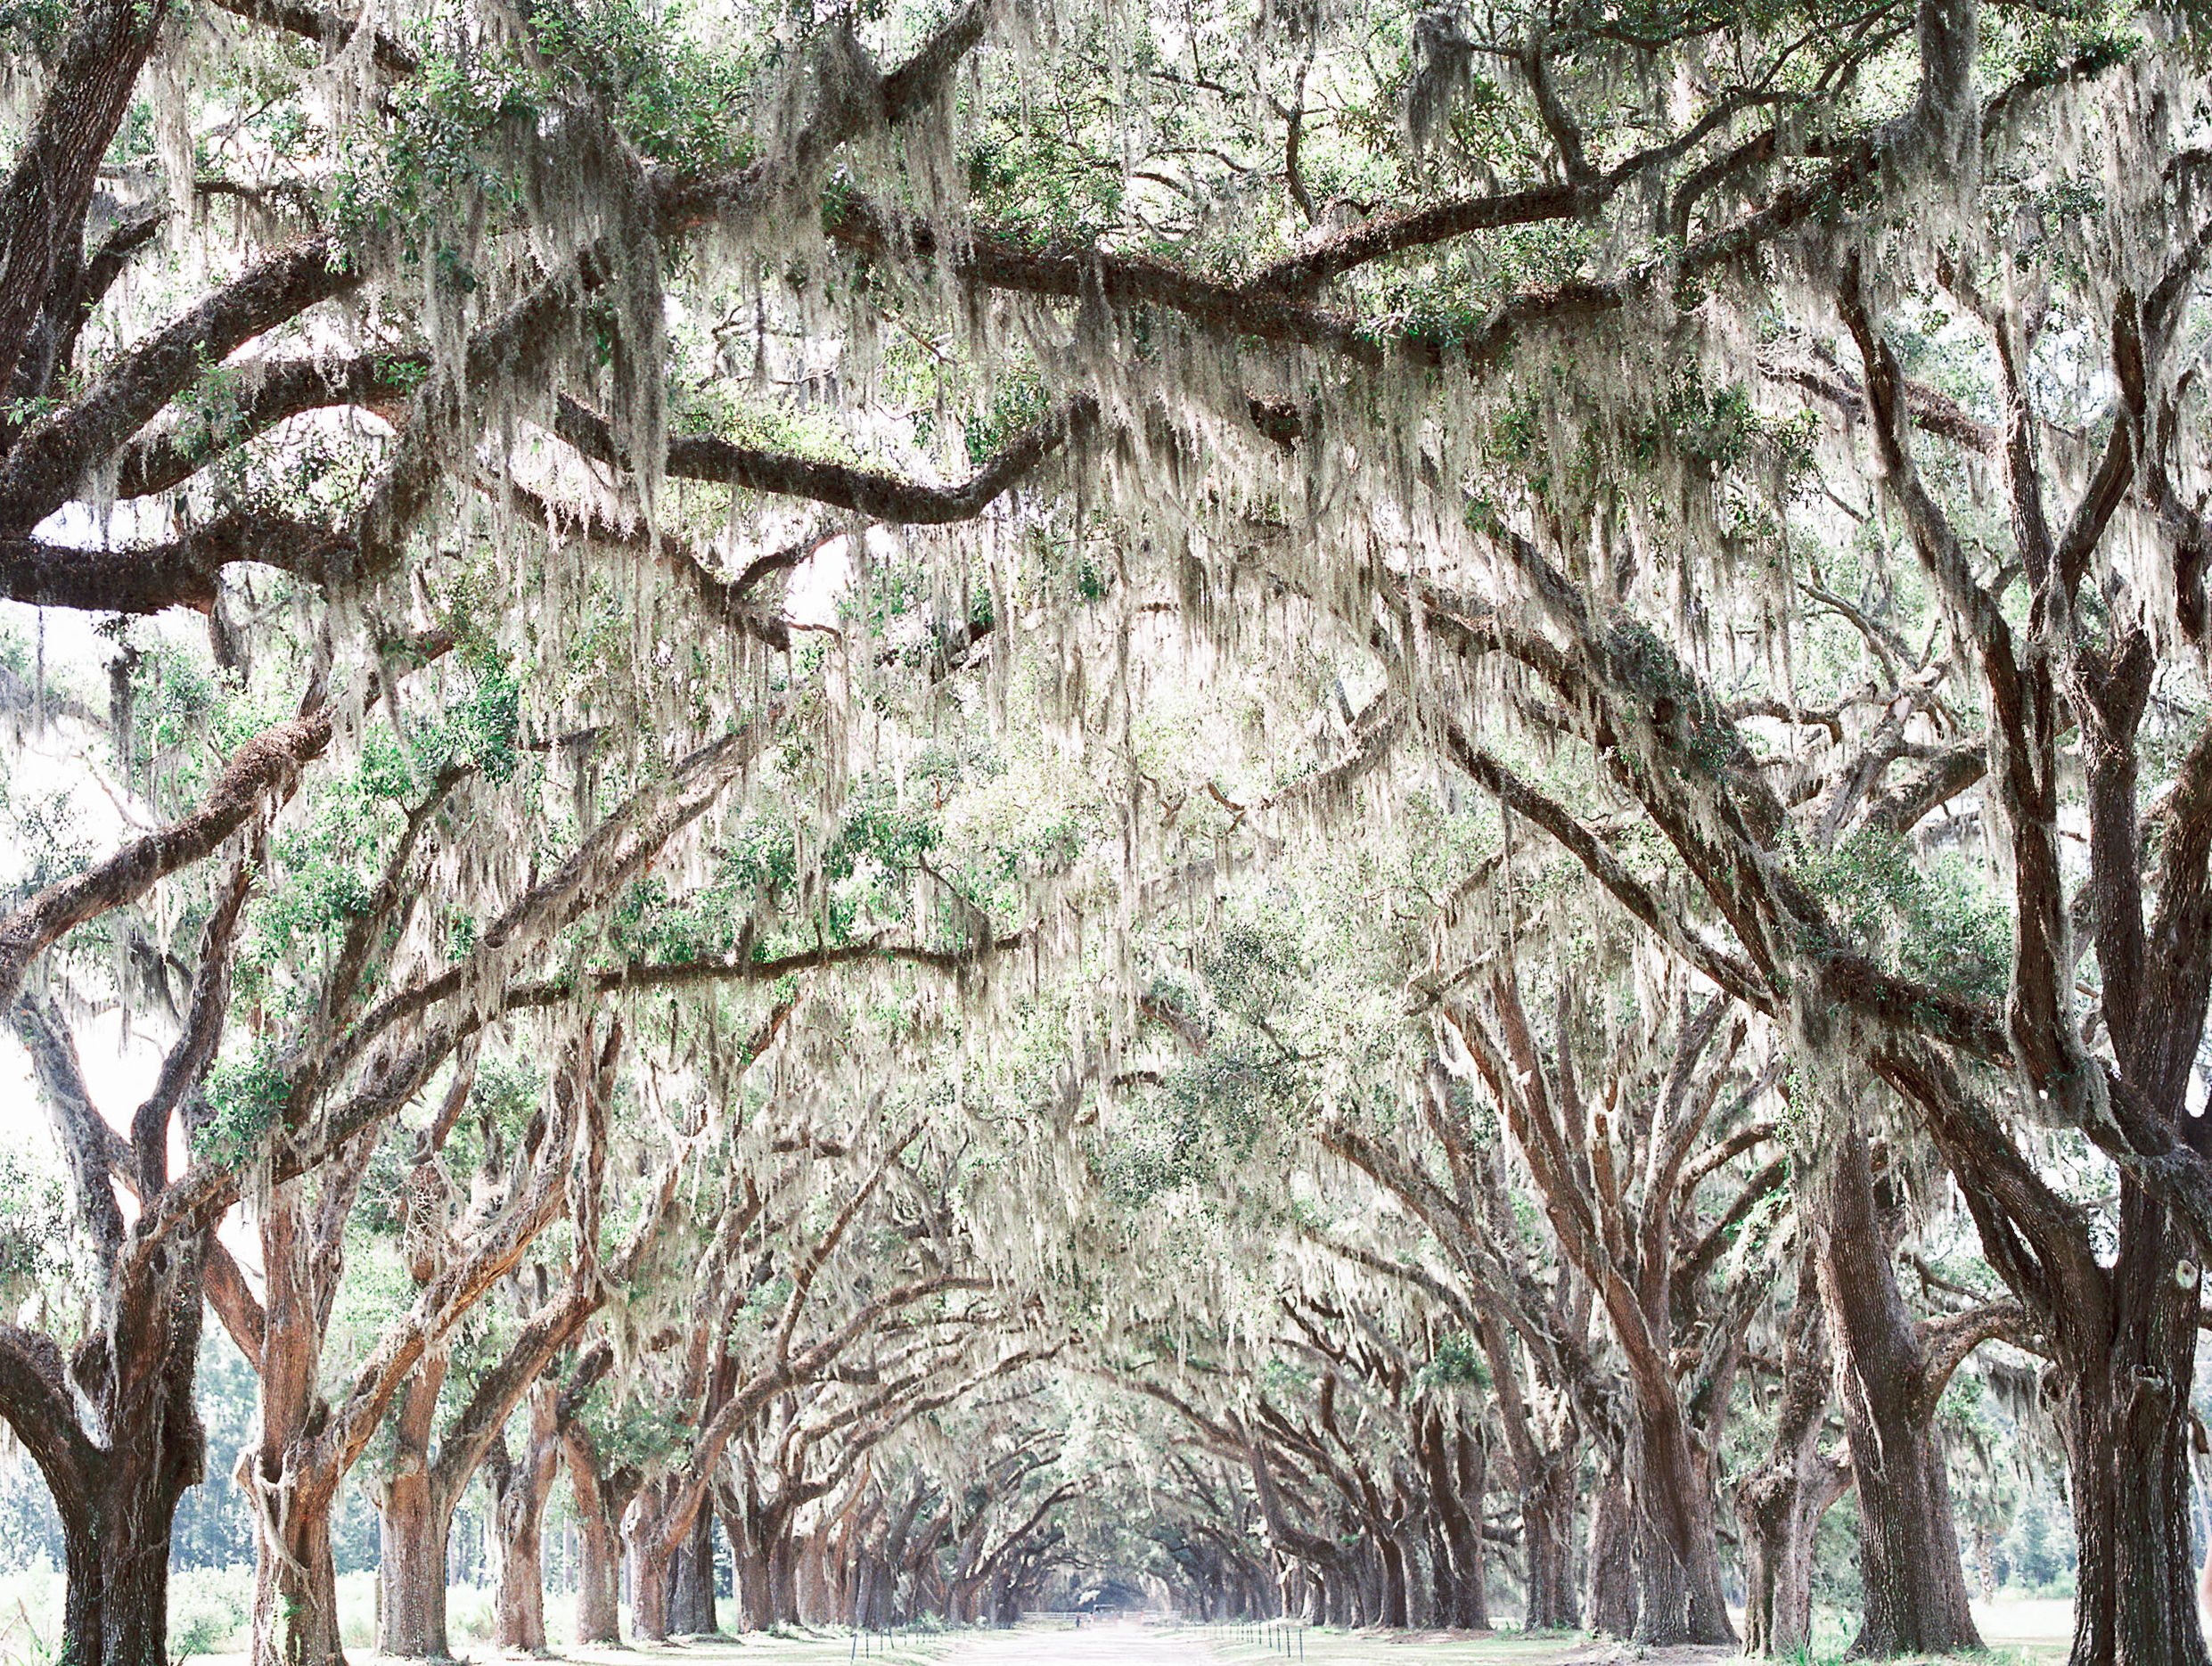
2020, 1632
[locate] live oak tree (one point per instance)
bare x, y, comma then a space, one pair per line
1675, 426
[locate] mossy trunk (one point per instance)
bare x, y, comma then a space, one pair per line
1915, 1599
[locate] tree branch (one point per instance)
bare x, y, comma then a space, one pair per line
884, 497
51, 462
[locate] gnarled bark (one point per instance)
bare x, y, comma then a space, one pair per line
1915, 1585
1781, 1502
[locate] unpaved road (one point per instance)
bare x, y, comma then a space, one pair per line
1111, 1643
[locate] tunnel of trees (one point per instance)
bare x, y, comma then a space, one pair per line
820, 814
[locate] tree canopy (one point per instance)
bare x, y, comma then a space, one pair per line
1392, 814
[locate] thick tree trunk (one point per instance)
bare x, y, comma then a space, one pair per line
1442, 1594
1780, 1503
295, 1610
137, 1380
520, 1492
1547, 1526
1780, 1508
1391, 1604
1612, 1559
1472, 1572
783, 1571
2123, 1410
650, 1566
412, 1527
1679, 1597
756, 1586
291, 1481
690, 1582
1915, 1585
116, 1545
132, 1571
599, 1534
816, 1585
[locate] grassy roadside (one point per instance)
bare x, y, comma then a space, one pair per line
2030, 1632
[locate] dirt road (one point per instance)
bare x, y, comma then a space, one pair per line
1109, 1643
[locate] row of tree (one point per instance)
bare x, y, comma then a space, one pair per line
1462, 755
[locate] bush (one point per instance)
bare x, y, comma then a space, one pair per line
208, 1609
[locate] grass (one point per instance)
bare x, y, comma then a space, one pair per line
209, 1609
2020, 1631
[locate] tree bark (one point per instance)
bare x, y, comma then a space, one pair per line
520, 1489
652, 1565
756, 1583
1454, 1466
1781, 1502
1547, 1525
1915, 1585
599, 1504
114, 1430
411, 1571
691, 1588
1391, 1592
294, 1609
1612, 1559
2124, 1377
117, 1501
1679, 1597
413, 1523
1472, 1568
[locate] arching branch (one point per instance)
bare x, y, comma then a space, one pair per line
885, 498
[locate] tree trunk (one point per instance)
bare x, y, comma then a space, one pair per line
116, 1547
294, 1609
1472, 1572
756, 1585
289, 1478
1780, 1503
1547, 1525
520, 1494
650, 1566
784, 1570
1390, 1610
1915, 1585
690, 1582
1678, 1589
1612, 1559
598, 1520
133, 1572
810, 1579
1781, 1510
2123, 1410
135, 1383
411, 1528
